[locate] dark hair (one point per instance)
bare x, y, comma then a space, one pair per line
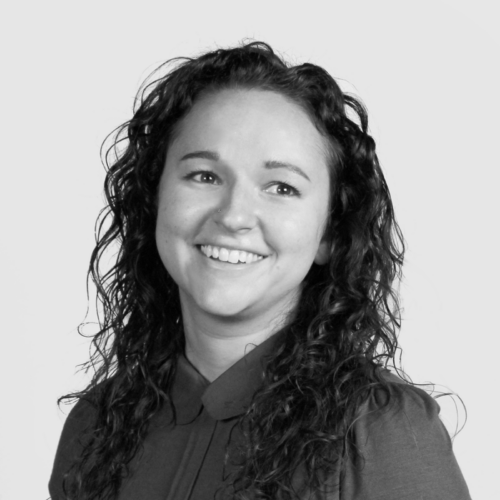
346, 322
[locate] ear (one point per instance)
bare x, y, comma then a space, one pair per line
323, 253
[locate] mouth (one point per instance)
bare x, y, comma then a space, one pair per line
229, 255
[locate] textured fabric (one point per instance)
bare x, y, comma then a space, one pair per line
407, 451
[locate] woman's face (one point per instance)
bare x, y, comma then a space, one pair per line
243, 201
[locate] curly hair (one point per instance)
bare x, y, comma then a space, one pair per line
343, 330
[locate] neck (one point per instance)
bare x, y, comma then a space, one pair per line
214, 344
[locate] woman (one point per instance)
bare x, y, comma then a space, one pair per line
250, 312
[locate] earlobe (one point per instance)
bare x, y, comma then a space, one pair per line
322, 254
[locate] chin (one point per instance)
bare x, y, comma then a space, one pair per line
225, 305
226, 310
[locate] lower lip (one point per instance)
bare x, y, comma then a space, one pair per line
220, 264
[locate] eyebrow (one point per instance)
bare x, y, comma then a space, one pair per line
280, 164
205, 155
270, 164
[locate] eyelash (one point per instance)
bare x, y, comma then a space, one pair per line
295, 191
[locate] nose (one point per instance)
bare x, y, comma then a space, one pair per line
237, 211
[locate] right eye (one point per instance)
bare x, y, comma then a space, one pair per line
203, 176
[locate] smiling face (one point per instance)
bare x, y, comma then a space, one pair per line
243, 202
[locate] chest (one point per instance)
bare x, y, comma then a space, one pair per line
182, 462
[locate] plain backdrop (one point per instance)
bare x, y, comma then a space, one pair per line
428, 72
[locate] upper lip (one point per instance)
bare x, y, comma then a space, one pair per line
233, 247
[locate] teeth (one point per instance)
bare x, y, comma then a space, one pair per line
223, 254
232, 256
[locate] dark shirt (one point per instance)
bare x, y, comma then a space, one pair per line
407, 450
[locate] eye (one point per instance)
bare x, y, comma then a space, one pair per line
282, 189
203, 176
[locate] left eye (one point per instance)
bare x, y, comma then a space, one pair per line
283, 189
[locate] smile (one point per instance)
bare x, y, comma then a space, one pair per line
228, 255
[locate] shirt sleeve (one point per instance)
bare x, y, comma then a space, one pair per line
76, 429
407, 451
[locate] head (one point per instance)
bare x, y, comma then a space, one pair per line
358, 198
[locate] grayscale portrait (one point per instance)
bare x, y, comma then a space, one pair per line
256, 263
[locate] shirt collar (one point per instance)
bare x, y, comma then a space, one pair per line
187, 389
227, 396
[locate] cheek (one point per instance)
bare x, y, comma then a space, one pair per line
299, 233
164, 224
169, 241
172, 215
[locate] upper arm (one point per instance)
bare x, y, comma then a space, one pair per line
407, 452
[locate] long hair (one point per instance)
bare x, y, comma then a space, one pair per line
347, 318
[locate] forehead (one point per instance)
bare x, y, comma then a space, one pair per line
259, 120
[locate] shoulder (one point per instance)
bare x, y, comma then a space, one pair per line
401, 406
406, 450
76, 432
